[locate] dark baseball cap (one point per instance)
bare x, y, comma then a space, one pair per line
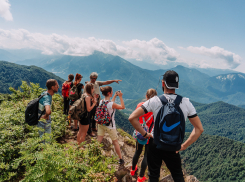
171, 79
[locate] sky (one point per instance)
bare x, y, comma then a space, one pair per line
203, 33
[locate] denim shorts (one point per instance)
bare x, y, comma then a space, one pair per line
44, 127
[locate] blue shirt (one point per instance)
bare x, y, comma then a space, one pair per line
44, 101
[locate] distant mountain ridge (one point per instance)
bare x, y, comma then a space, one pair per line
194, 84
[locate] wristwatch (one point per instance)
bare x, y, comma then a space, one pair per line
145, 134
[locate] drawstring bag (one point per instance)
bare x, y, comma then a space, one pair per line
137, 136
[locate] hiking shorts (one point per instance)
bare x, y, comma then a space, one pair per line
112, 132
84, 121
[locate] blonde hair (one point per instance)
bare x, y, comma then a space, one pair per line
151, 93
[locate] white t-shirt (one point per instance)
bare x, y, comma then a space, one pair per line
110, 110
154, 104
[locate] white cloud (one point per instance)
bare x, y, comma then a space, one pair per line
153, 50
4, 10
229, 59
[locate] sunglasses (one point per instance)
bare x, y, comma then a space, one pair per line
94, 78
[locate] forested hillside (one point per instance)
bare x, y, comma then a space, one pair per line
214, 158
122, 122
221, 119
12, 75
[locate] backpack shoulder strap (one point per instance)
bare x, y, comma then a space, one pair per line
163, 99
178, 100
41, 96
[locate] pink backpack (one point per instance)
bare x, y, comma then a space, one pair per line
102, 115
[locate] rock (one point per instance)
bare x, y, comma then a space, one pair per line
113, 153
127, 178
109, 140
191, 178
121, 144
121, 173
167, 178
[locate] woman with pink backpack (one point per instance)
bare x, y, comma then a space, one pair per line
146, 122
105, 117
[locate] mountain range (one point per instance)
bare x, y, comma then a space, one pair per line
194, 84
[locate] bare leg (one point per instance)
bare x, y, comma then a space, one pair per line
82, 133
79, 134
75, 122
117, 148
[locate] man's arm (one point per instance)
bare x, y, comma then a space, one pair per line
110, 81
48, 112
134, 120
196, 132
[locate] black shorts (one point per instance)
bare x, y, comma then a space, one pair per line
85, 121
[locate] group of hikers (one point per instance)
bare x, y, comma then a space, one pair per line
159, 121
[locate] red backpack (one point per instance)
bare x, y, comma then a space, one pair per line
65, 89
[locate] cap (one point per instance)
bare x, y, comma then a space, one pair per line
171, 79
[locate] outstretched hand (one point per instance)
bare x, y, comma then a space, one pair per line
118, 81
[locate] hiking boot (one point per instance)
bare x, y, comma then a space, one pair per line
132, 172
121, 161
143, 179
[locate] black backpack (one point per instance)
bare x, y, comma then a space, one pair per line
31, 112
169, 130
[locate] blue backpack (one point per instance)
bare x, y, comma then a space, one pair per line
169, 130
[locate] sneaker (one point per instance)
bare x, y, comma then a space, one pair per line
143, 179
121, 161
132, 172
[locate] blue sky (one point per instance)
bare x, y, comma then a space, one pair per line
202, 33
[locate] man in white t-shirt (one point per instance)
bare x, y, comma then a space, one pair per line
155, 156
